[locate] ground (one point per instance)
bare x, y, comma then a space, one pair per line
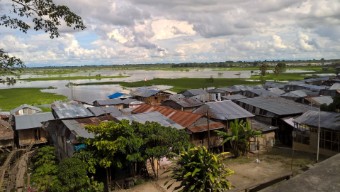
248, 171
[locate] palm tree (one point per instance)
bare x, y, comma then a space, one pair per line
198, 170
238, 137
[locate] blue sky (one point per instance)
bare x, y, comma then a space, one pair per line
159, 31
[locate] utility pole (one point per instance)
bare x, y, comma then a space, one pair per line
318, 143
208, 129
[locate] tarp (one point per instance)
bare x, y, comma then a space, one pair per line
115, 95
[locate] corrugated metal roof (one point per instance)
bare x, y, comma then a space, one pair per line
223, 110
31, 121
204, 127
187, 102
117, 101
151, 117
328, 120
6, 131
70, 110
234, 97
194, 92
279, 106
263, 127
144, 92
295, 94
335, 86
321, 100
263, 93
271, 84
98, 111
276, 90
13, 111
77, 126
183, 118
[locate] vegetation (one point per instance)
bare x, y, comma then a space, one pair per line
12, 98
238, 137
279, 68
69, 175
127, 145
45, 16
182, 84
333, 107
198, 170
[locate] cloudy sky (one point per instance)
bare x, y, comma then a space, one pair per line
163, 31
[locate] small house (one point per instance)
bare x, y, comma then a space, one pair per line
183, 104
6, 135
25, 110
119, 103
100, 111
199, 94
150, 96
28, 128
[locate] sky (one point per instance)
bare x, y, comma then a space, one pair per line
176, 31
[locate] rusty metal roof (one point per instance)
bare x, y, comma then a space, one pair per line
182, 118
6, 131
202, 128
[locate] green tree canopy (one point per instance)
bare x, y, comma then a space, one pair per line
42, 15
198, 170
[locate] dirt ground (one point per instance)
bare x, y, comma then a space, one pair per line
248, 170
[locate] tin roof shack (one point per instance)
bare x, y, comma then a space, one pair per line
271, 111
28, 128
321, 100
306, 132
323, 176
233, 97
101, 111
217, 93
25, 110
195, 124
199, 94
65, 133
223, 112
6, 135
69, 110
150, 96
183, 104
266, 140
258, 93
293, 86
119, 103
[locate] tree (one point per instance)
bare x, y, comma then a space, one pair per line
279, 68
72, 177
238, 137
263, 69
332, 107
198, 170
42, 15
45, 169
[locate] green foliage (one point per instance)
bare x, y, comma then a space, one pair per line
123, 143
279, 68
238, 136
72, 176
44, 169
198, 170
44, 15
263, 69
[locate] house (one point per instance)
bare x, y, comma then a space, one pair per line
217, 93
298, 95
196, 125
233, 97
321, 100
28, 128
69, 110
199, 94
6, 135
118, 103
276, 91
272, 110
25, 110
183, 104
267, 138
306, 132
100, 111
293, 86
150, 96
258, 92
65, 133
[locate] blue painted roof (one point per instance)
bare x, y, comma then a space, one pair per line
115, 95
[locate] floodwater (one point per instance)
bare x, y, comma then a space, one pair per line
89, 93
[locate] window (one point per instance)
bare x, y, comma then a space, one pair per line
302, 137
330, 140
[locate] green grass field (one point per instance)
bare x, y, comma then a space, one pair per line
182, 84
12, 98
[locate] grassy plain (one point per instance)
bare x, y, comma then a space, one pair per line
12, 98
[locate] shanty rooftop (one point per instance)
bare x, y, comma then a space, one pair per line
223, 110
31, 121
64, 110
328, 120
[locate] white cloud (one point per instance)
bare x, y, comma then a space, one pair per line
278, 42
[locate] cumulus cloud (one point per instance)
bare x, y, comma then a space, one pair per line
150, 31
